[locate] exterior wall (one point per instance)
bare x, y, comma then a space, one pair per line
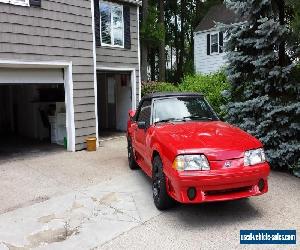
113, 57
59, 30
206, 63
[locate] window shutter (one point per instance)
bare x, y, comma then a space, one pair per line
221, 42
127, 32
36, 3
208, 44
97, 22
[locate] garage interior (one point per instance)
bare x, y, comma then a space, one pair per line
32, 111
114, 102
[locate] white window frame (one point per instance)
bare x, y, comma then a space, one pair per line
111, 32
218, 42
16, 2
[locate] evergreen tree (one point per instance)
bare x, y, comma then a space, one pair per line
264, 95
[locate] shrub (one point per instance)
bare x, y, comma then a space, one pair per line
211, 86
153, 87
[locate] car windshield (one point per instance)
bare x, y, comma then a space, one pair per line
183, 109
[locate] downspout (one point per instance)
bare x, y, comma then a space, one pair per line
95, 71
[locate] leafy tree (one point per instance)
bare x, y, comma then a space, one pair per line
265, 95
152, 33
162, 46
293, 19
144, 46
295, 22
170, 24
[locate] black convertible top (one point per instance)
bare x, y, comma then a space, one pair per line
169, 94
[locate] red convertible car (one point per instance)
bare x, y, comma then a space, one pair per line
192, 156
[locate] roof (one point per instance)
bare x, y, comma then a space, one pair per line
170, 94
218, 14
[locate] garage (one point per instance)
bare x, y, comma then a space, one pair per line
33, 110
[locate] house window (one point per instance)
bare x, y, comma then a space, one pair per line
214, 43
16, 2
111, 24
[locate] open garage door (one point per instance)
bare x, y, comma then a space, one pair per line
9, 76
32, 110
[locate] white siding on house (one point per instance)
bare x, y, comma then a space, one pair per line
206, 63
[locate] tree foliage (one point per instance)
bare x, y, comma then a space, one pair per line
295, 21
265, 94
151, 30
181, 17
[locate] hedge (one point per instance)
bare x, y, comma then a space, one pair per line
153, 87
211, 86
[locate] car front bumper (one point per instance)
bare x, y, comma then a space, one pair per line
219, 185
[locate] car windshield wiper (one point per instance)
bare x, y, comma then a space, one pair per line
197, 117
170, 120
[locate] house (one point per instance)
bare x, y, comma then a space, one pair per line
69, 69
209, 54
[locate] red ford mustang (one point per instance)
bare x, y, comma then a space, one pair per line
192, 156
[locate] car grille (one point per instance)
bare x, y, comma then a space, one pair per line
228, 191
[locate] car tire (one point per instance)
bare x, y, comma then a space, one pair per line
131, 160
160, 195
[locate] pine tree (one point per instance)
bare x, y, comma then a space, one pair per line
265, 95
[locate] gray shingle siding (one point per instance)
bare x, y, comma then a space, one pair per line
60, 30
123, 58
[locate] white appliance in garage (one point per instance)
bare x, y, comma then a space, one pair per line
124, 101
58, 128
58, 125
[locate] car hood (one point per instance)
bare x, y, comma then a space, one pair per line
217, 140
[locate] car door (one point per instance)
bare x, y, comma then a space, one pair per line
144, 115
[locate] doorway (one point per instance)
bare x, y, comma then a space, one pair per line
114, 101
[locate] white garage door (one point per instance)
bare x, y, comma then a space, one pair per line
31, 76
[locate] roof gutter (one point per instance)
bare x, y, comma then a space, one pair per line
136, 2
216, 27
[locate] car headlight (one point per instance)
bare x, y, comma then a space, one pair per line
253, 157
191, 162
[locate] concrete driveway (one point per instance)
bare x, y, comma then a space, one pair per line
93, 201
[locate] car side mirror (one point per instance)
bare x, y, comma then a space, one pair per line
131, 114
142, 125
